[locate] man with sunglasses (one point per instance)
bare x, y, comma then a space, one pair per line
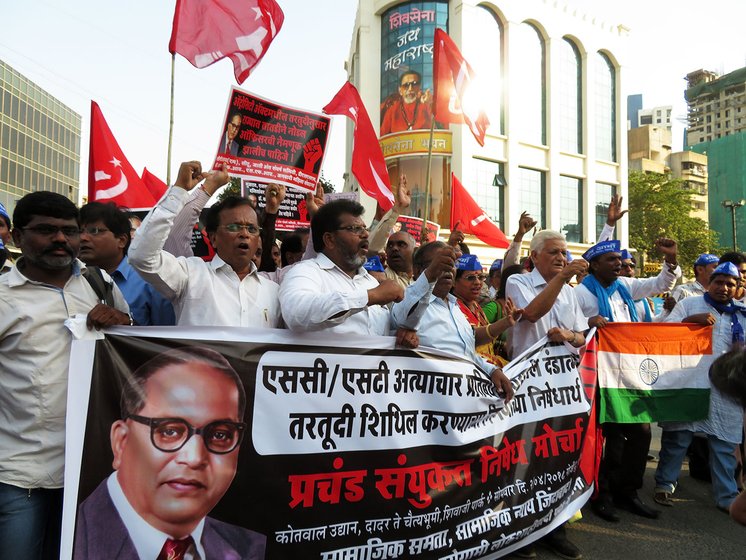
411, 111
37, 296
175, 452
227, 291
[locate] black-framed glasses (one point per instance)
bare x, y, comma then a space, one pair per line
628, 265
357, 230
93, 230
413, 83
251, 229
49, 230
171, 434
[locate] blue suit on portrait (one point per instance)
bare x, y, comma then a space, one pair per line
100, 533
228, 147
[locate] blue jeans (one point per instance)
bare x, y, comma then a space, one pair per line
30, 523
722, 465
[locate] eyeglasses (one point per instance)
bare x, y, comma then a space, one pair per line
251, 229
628, 265
413, 84
231, 125
357, 230
474, 277
49, 230
171, 434
94, 230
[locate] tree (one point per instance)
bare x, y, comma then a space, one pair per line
659, 207
233, 189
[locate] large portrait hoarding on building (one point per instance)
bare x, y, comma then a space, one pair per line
351, 448
407, 33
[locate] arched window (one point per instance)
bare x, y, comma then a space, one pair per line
570, 98
485, 54
530, 78
605, 86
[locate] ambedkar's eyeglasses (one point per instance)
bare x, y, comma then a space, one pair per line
171, 434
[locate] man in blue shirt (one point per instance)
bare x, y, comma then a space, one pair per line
104, 240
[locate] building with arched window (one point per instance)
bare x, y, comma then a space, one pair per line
550, 82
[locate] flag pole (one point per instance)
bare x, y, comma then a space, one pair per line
427, 179
171, 122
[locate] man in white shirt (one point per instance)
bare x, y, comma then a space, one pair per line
606, 296
166, 480
550, 308
228, 291
47, 287
333, 292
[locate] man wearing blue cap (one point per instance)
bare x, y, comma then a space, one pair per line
604, 297
724, 424
494, 277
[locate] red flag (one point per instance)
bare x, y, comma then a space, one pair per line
156, 187
111, 178
205, 31
368, 165
467, 216
452, 77
593, 440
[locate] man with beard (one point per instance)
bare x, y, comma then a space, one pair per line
411, 111
44, 289
333, 292
606, 296
227, 291
724, 424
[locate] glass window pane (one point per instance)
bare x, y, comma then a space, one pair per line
571, 208
530, 74
604, 193
570, 98
488, 188
530, 192
605, 108
485, 55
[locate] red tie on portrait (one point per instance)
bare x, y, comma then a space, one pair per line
175, 550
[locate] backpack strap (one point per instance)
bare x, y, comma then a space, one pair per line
104, 290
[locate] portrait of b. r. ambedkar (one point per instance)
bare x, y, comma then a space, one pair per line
175, 455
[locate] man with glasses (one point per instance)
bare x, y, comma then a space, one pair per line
411, 111
333, 292
228, 144
104, 240
227, 291
176, 451
45, 289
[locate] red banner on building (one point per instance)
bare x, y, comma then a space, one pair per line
271, 143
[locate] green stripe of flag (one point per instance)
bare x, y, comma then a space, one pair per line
635, 406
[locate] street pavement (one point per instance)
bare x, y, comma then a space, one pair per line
693, 529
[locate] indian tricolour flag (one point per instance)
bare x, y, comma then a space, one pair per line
654, 372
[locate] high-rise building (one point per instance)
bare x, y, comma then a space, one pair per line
634, 106
716, 105
691, 168
39, 141
648, 149
657, 116
550, 84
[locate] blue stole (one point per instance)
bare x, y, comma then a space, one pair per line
731, 309
603, 294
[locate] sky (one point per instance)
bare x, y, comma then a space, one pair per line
116, 53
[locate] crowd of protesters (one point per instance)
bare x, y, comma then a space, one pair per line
100, 265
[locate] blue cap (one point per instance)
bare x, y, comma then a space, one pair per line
728, 269
602, 248
468, 262
705, 258
373, 264
497, 264
4, 212
626, 255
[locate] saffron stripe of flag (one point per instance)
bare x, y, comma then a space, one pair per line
654, 372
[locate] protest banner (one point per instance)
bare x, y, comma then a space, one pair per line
413, 226
271, 143
351, 448
293, 213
